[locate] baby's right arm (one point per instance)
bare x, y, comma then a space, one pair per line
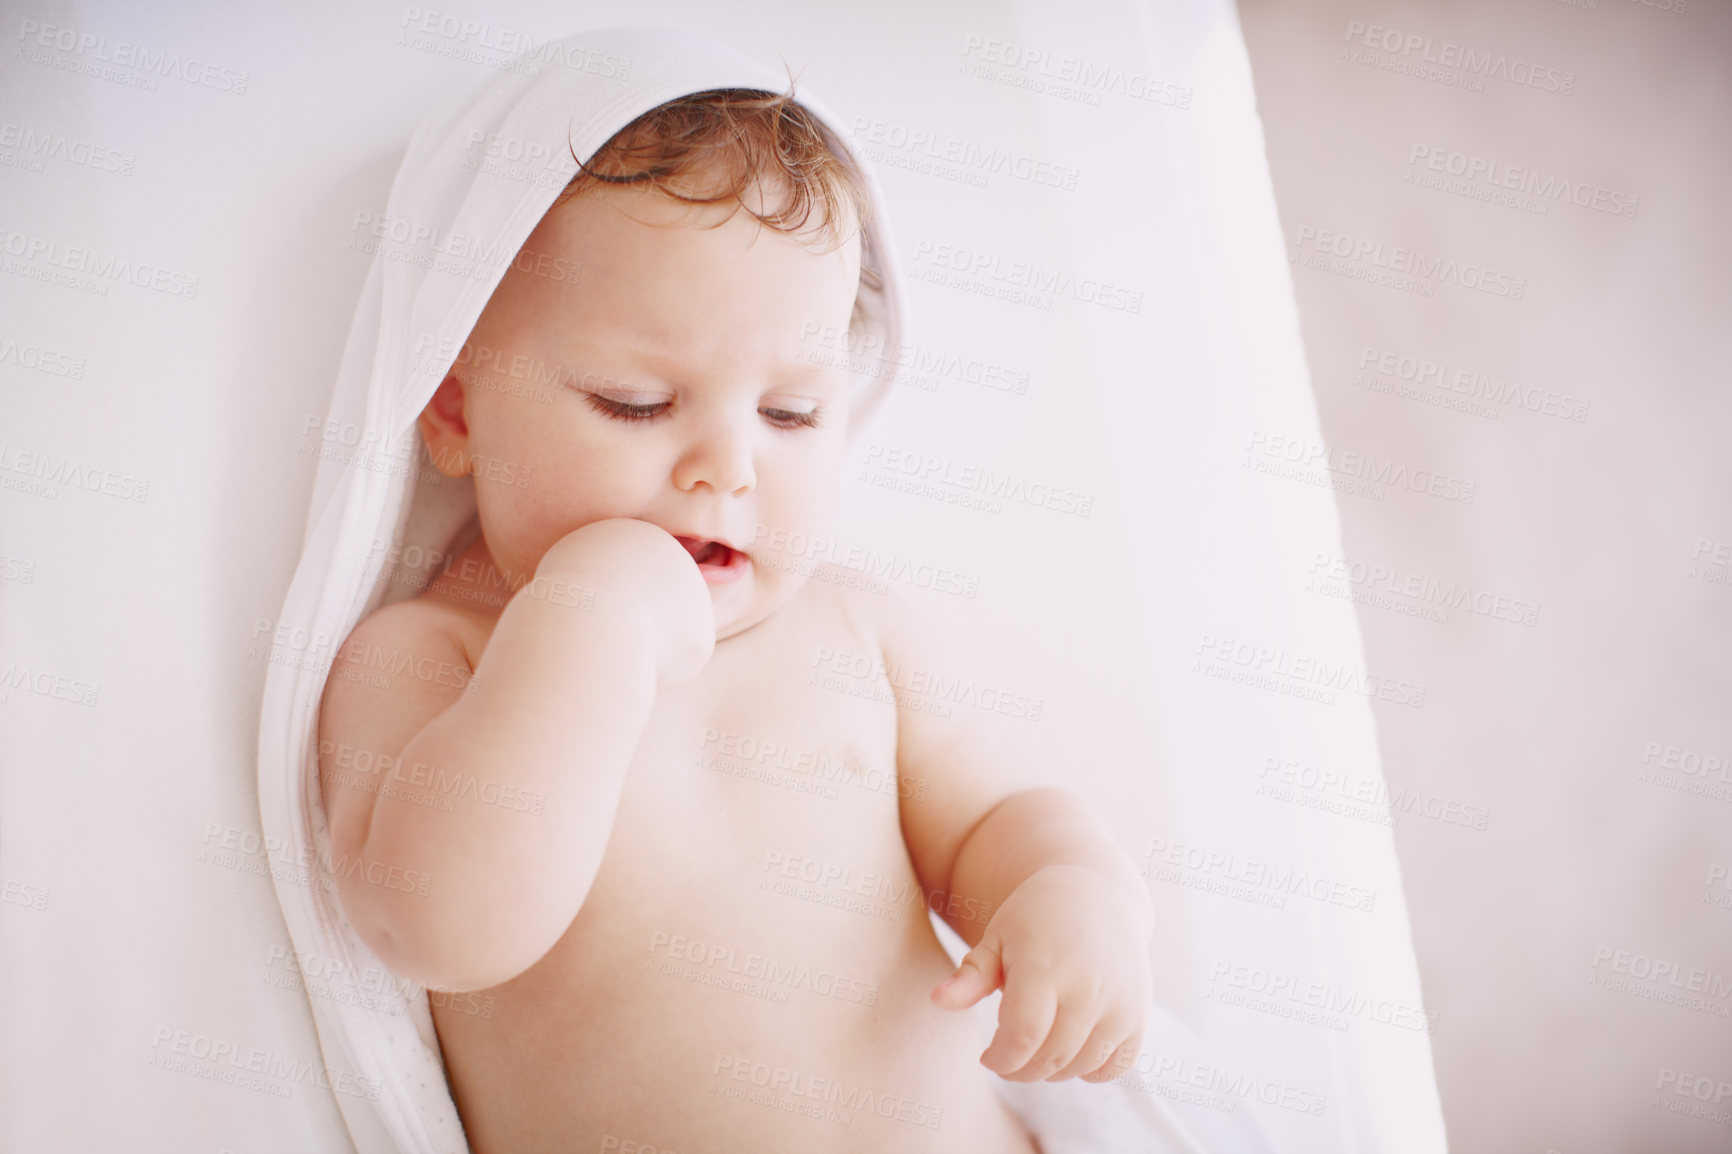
562, 696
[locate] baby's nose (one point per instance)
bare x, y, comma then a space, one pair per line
722, 460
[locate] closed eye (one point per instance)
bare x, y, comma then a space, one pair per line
626, 411
788, 419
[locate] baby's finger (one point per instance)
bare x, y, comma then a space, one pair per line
1098, 1052
1123, 1058
1024, 1020
1071, 1027
977, 976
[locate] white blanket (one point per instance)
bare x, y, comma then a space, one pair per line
470, 218
1116, 146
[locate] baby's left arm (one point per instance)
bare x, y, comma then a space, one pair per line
1055, 911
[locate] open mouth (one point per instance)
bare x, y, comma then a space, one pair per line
716, 560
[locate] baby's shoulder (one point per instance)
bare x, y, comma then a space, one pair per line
870, 608
400, 667
414, 631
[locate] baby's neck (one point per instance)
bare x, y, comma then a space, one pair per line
472, 577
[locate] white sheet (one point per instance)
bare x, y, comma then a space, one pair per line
157, 945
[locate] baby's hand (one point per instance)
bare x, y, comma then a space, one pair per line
648, 565
1077, 987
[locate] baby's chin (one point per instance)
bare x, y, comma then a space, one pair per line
744, 603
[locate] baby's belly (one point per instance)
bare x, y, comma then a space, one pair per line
752, 969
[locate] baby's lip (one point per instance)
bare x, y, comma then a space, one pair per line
694, 545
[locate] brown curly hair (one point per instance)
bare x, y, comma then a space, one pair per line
712, 147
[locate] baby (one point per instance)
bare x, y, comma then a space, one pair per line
689, 910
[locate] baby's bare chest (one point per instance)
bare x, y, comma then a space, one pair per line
768, 773
756, 903
761, 816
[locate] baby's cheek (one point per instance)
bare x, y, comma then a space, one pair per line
520, 523
810, 493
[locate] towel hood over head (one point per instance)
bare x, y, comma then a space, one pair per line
477, 178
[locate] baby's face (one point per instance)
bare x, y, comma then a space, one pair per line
681, 396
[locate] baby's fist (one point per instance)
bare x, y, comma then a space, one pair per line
643, 563
1066, 950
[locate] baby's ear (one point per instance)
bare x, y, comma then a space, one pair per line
445, 429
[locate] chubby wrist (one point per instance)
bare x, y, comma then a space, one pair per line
1121, 881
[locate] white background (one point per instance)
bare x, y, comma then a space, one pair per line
1597, 522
